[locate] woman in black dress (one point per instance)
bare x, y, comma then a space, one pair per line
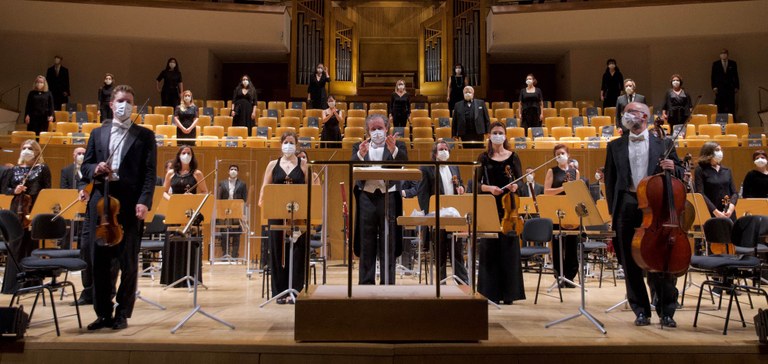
316, 94
531, 111
105, 94
172, 87
553, 185
610, 88
38, 178
333, 118
500, 276
39, 110
399, 105
185, 118
184, 178
456, 83
755, 183
715, 182
288, 169
677, 103
243, 101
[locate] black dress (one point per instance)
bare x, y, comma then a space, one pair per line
316, 90
457, 91
755, 185
175, 253
186, 118
39, 108
331, 133
570, 242
530, 108
400, 109
500, 277
611, 87
242, 105
169, 94
278, 265
105, 94
38, 179
714, 186
678, 107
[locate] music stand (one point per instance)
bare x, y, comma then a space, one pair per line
183, 201
577, 194
178, 211
527, 206
289, 202
553, 207
227, 211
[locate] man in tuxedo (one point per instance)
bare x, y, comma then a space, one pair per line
629, 159
630, 95
725, 83
70, 180
230, 189
370, 197
450, 183
530, 188
124, 155
58, 82
470, 119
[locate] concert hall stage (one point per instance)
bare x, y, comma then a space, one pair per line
516, 332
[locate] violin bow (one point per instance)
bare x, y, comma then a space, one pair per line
528, 173
202, 179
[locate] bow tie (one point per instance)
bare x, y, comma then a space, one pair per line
635, 139
120, 125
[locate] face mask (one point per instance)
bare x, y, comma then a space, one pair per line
611, 66
233, 173
562, 158
289, 149
40, 85
378, 136
27, 155
718, 156
123, 111
529, 82
529, 178
675, 83
498, 138
458, 71
108, 82
723, 56
319, 70
245, 83
187, 98
400, 87
629, 90
468, 96
629, 120
761, 162
185, 158
79, 159
331, 104
442, 155
172, 65
597, 176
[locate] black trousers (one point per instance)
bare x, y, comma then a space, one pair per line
726, 101
86, 254
230, 238
126, 256
570, 258
627, 218
372, 237
279, 262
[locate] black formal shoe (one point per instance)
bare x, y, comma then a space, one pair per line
668, 321
120, 322
281, 301
82, 302
100, 323
642, 320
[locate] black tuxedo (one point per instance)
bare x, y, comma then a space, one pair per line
622, 102
58, 84
240, 193
476, 127
622, 204
369, 221
69, 179
727, 82
136, 186
523, 189
594, 190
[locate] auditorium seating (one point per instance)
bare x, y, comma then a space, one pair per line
64, 127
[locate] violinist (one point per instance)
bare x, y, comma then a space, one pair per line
124, 155
450, 184
24, 181
597, 189
756, 181
629, 159
715, 182
184, 178
530, 188
553, 185
500, 277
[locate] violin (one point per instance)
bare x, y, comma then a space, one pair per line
510, 201
22, 203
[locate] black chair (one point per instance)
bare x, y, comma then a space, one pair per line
746, 234
316, 243
537, 233
728, 268
152, 244
36, 269
42, 229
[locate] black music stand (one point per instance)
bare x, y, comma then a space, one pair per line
552, 207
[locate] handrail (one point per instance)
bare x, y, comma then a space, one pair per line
514, 6
18, 96
270, 7
18, 85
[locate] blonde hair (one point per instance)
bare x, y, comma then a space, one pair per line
183, 105
35, 148
398, 82
45, 83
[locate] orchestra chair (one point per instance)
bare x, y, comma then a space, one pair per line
705, 109
356, 122
87, 128
291, 121
563, 104
537, 233
728, 140
207, 141
583, 104
64, 127
279, 105
572, 142
504, 113
377, 106
561, 131
214, 130
268, 122
499, 105
155, 119
255, 142
419, 113
377, 112
61, 116
357, 106
152, 244
421, 122
601, 121
422, 132
261, 105
711, 130
740, 129
92, 108
554, 121
349, 142
163, 110
309, 132
295, 113
438, 106
356, 113
145, 126
354, 132
215, 104
227, 111
443, 133
539, 143
341, 105
611, 112
549, 112
51, 137
584, 132
283, 129
569, 112
696, 141
515, 132
440, 113
18, 136
237, 131
315, 112
699, 119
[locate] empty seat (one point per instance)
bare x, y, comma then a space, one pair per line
163, 110
297, 113
290, 121
500, 105
561, 131
65, 127
554, 121
314, 112
585, 132
501, 114
356, 121
728, 140
421, 122
419, 113
739, 129
214, 130
357, 113
440, 113
699, 119
354, 132
549, 112
569, 112
710, 129
237, 131
268, 122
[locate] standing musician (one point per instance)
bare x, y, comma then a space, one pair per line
26, 178
553, 185
629, 159
714, 182
232, 188
125, 155
530, 188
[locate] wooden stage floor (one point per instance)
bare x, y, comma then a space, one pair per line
516, 332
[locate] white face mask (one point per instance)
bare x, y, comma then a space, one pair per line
443, 155
245, 83
468, 96
629, 90
718, 156
185, 158
172, 65
611, 66
233, 173
597, 176
761, 162
401, 87
529, 178
529, 82
319, 70
331, 104
289, 149
108, 81
378, 136
629, 120
187, 98
675, 83
562, 158
79, 159
458, 71
123, 111
27, 155
498, 138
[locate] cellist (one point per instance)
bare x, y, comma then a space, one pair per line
27, 178
629, 159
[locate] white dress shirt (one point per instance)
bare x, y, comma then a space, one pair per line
376, 153
232, 183
638, 157
447, 180
116, 142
